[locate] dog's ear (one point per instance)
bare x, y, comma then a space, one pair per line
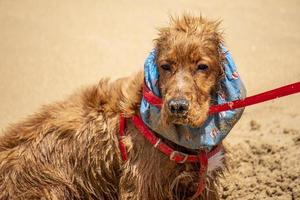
219, 41
221, 74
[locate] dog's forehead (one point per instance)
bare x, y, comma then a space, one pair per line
188, 51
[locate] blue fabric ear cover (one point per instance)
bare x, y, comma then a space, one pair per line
217, 126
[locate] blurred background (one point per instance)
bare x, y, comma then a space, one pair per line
50, 48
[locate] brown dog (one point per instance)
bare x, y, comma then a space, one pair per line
69, 150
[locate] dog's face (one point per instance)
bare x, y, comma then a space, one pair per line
189, 64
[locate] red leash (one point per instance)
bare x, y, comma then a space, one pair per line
203, 156
259, 98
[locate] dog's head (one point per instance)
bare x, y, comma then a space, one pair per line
189, 63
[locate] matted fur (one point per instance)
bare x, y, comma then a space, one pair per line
69, 149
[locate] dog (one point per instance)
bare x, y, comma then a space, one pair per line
70, 149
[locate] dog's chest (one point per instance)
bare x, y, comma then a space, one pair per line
150, 167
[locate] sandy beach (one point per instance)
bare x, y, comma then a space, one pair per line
48, 49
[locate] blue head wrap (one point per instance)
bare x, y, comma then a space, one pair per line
216, 127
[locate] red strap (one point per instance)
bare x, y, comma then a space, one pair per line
176, 156
121, 137
203, 161
151, 98
265, 96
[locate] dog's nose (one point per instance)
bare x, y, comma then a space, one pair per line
178, 106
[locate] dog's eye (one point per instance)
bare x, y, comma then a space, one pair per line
166, 67
202, 67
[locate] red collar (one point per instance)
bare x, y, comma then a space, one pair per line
174, 155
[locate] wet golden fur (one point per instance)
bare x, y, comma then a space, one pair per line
69, 149
183, 46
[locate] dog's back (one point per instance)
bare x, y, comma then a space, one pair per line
65, 151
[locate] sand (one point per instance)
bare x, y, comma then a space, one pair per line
50, 48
